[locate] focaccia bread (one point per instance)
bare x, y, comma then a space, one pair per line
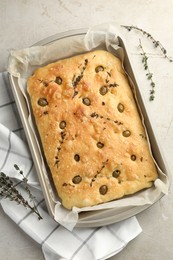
91, 132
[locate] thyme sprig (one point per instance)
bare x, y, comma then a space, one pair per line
146, 68
25, 182
156, 43
8, 190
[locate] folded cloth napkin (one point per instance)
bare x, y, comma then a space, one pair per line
83, 243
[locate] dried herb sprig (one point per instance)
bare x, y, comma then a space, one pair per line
8, 190
148, 74
25, 182
156, 43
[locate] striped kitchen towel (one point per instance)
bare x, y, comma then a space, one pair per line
57, 242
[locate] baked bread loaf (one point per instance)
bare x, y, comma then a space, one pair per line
91, 132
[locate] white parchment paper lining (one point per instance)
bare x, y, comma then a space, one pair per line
23, 62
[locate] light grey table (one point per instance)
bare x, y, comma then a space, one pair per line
24, 22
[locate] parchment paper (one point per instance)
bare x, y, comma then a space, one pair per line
23, 62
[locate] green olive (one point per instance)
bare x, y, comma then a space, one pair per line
100, 145
42, 102
120, 107
77, 157
99, 68
116, 173
103, 90
58, 80
133, 157
103, 189
62, 124
126, 133
86, 101
77, 179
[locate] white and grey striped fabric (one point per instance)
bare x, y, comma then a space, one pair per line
82, 243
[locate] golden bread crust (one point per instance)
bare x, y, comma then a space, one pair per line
90, 128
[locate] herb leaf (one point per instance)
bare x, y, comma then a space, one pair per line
149, 75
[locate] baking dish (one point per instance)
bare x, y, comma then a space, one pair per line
102, 216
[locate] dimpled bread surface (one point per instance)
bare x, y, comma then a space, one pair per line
91, 132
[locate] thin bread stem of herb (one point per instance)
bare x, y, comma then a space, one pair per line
156, 43
149, 75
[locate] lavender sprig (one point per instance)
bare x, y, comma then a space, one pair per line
8, 190
156, 43
148, 74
